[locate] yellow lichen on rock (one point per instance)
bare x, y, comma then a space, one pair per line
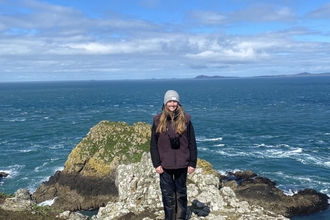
106, 145
207, 167
75, 161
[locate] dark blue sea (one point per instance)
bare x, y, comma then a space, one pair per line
277, 127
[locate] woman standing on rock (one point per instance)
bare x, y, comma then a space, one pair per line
174, 154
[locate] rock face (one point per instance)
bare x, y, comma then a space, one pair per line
111, 169
139, 196
23, 200
88, 181
262, 192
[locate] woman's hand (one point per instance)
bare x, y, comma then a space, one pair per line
159, 169
191, 169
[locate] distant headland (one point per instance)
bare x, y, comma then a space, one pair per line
284, 75
213, 77
297, 75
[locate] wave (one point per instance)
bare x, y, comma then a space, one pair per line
57, 146
263, 152
300, 182
288, 189
59, 168
271, 146
37, 169
14, 119
327, 163
225, 172
204, 139
13, 171
278, 153
308, 159
205, 149
25, 150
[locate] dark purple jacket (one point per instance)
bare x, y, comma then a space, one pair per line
162, 153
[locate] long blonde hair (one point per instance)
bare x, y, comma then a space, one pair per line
177, 119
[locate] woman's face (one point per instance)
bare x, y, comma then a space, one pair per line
172, 105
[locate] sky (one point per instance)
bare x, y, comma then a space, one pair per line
55, 40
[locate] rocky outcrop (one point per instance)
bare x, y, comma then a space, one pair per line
87, 180
105, 171
3, 174
261, 191
22, 201
139, 196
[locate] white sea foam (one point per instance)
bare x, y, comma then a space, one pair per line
47, 202
301, 182
215, 139
261, 145
325, 191
203, 149
224, 172
13, 171
282, 145
290, 192
204, 139
313, 160
221, 152
36, 169
327, 163
280, 153
58, 168
268, 136
298, 150
25, 150
57, 146
15, 119
54, 159
6, 171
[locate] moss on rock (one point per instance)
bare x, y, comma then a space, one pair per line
107, 145
207, 167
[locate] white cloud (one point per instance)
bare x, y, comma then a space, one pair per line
321, 13
264, 14
39, 37
208, 17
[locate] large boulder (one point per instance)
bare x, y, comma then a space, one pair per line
263, 192
22, 201
139, 196
87, 180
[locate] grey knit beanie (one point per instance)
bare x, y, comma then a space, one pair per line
171, 95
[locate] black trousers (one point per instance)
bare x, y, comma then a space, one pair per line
174, 193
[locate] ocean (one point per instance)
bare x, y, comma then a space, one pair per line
275, 127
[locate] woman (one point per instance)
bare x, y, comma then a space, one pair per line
174, 154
